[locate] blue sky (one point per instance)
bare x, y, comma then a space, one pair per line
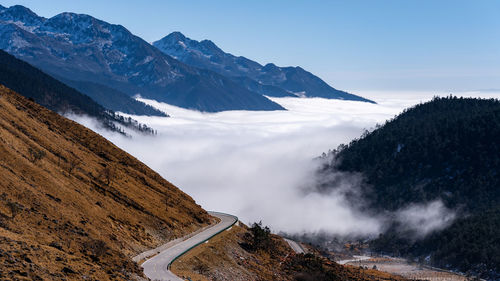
365, 45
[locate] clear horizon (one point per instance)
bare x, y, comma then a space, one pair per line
355, 45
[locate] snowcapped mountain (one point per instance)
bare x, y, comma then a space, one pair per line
269, 79
80, 49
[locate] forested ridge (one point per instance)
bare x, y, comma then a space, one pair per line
447, 149
57, 96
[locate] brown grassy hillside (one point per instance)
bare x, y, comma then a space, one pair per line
225, 258
74, 205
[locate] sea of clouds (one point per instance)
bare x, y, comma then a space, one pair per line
258, 165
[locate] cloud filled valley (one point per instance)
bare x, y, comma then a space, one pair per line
260, 165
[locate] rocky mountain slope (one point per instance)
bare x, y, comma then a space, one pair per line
83, 49
445, 150
73, 206
269, 80
232, 256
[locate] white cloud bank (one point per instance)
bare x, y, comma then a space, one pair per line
255, 164
423, 219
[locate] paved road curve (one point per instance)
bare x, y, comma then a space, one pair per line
295, 246
157, 267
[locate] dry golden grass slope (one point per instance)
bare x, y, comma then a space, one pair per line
73, 206
225, 258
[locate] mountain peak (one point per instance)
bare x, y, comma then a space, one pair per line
173, 39
270, 67
83, 28
21, 9
177, 35
72, 17
210, 45
18, 13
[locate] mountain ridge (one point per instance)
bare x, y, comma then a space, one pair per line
274, 81
82, 48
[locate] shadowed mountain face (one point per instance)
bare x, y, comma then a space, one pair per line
269, 80
113, 99
82, 49
32, 83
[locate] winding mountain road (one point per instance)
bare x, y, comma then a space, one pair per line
295, 246
158, 267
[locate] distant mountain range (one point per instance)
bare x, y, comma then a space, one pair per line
90, 54
17, 27
111, 65
269, 80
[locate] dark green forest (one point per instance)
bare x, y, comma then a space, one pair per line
34, 84
446, 149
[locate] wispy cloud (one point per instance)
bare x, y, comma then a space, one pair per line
423, 219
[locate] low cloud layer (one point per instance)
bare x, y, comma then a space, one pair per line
423, 219
256, 164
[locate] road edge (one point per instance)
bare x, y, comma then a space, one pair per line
201, 242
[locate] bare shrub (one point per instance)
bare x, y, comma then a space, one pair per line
201, 268
73, 163
94, 248
107, 174
15, 208
35, 155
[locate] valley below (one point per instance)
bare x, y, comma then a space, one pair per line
404, 268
